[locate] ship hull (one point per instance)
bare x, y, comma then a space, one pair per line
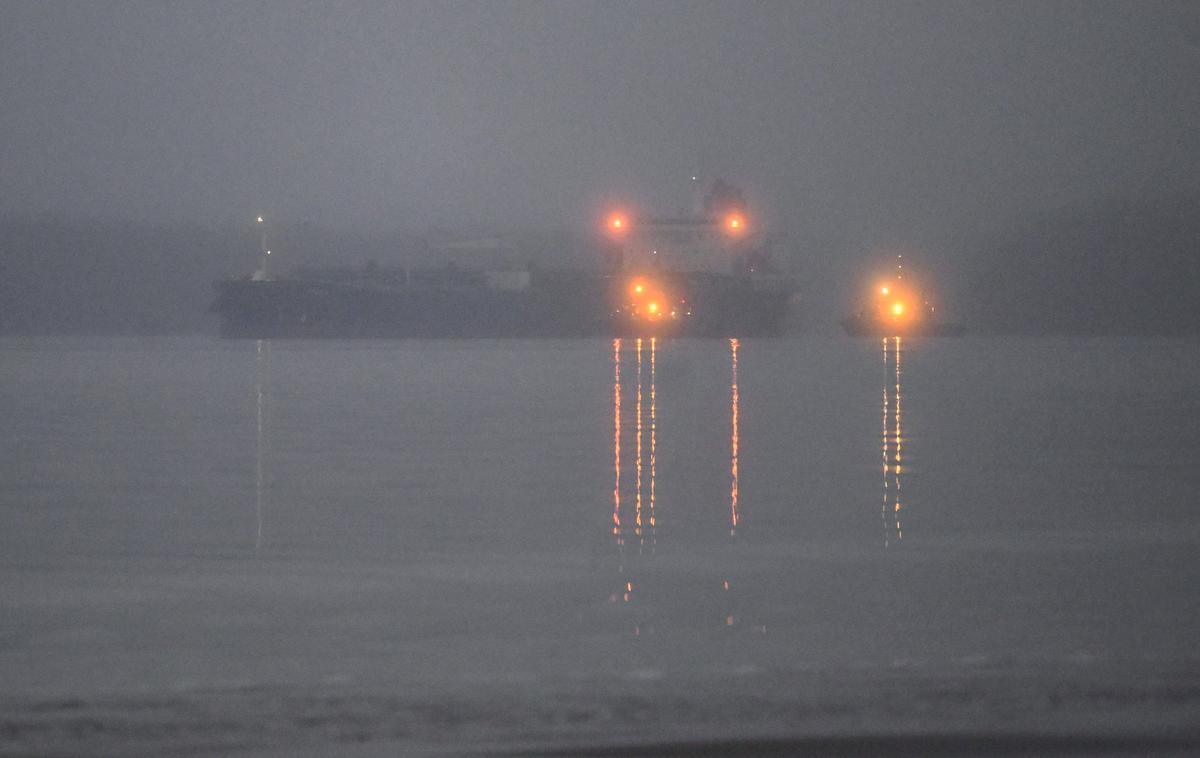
857, 326
554, 305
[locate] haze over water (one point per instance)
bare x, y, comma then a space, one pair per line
441, 546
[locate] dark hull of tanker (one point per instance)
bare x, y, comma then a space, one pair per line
857, 326
571, 307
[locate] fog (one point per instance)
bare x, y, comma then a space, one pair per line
947, 130
599, 378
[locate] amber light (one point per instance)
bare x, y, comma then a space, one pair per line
898, 309
735, 224
647, 299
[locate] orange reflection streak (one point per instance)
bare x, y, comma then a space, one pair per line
899, 441
617, 437
883, 516
893, 440
653, 432
727, 596
733, 440
638, 499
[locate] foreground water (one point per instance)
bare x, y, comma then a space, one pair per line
519, 546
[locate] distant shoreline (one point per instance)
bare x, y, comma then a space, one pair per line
928, 745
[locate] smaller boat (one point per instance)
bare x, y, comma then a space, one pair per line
898, 307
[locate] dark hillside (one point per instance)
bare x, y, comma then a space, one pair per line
96, 277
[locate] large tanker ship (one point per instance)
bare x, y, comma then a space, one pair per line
709, 274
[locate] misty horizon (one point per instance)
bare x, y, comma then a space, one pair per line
879, 121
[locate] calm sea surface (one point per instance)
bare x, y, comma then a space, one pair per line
262, 547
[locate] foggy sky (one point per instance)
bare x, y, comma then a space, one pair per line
888, 119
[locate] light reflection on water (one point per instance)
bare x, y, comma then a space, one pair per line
634, 415
734, 402
653, 435
643, 521
892, 441
616, 517
449, 520
635, 519
645, 444
641, 526
638, 481
678, 486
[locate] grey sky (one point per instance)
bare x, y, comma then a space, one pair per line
882, 118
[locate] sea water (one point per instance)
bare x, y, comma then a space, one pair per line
403, 547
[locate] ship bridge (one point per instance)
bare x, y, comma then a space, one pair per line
686, 244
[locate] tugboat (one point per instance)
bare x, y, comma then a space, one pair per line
898, 307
